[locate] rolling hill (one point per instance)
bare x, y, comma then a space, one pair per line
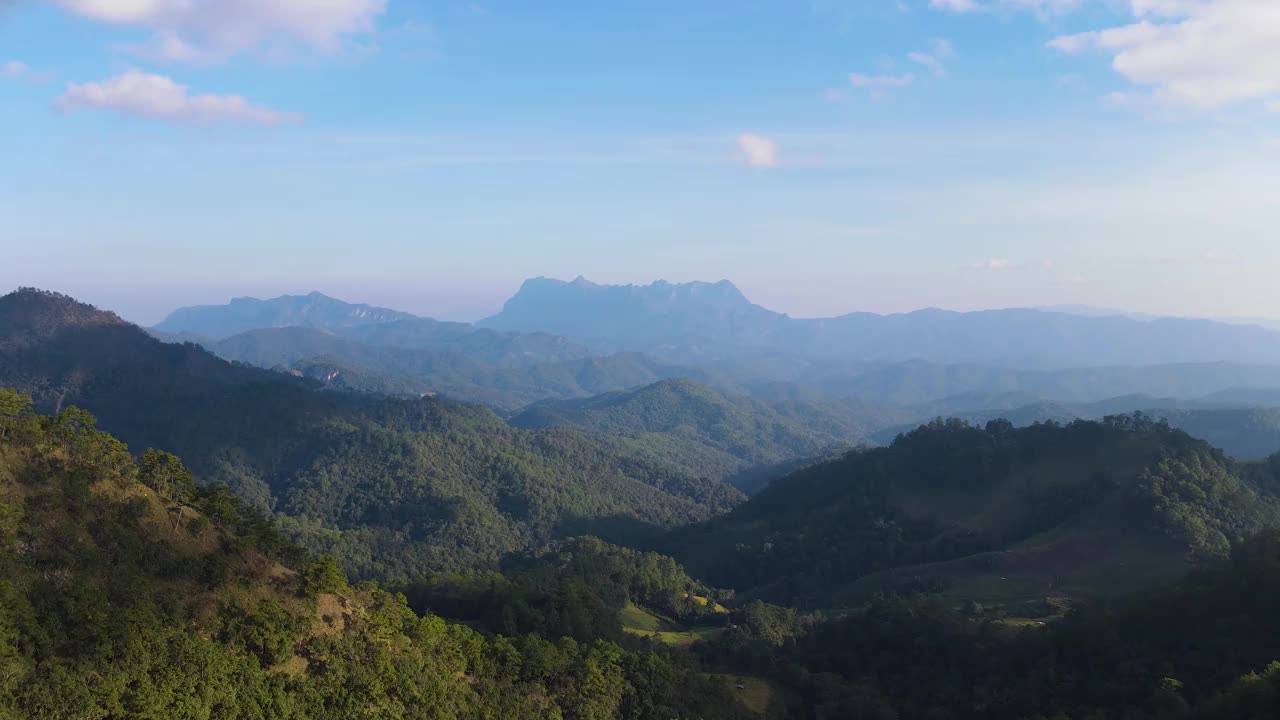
125, 592
998, 514
396, 487
706, 431
489, 368
1244, 433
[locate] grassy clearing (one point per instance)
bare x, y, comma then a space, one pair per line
754, 693
642, 623
704, 602
680, 638
636, 618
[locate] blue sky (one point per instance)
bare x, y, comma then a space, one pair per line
826, 156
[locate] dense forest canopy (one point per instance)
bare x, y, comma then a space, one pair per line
744, 440
128, 592
993, 512
588, 558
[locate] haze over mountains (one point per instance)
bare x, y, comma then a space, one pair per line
563, 340
808, 550
696, 320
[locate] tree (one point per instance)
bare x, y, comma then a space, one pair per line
324, 576
165, 473
13, 406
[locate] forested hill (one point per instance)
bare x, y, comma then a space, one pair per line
992, 513
1204, 648
711, 432
394, 487
502, 370
1244, 433
128, 592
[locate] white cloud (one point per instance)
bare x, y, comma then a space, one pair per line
955, 6
878, 82
159, 97
14, 70
929, 61
1044, 8
758, 150
993, 264
1199, 54
1047, 7
209, 31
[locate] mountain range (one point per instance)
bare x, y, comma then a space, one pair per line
700, 321
557, 340
395, 486
965, 568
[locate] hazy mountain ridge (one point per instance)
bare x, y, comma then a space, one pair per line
711, 432
499, 369
314, 310
639, 316
557, 340
714, 320
394, 486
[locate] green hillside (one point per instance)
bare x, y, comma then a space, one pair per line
394, 487
1203, 648
503, 370
994, 514
1243, 431
127, 592
709, 432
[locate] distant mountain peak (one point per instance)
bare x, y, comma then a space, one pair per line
677, 314
313, 310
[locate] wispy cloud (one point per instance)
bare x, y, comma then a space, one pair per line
993, 264
1197, 54
929, 61
206, 32
859, 80
875, 85
942, 49
14, 70
1052, 8
160, 98
758, 150
1044, 8
955, 6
